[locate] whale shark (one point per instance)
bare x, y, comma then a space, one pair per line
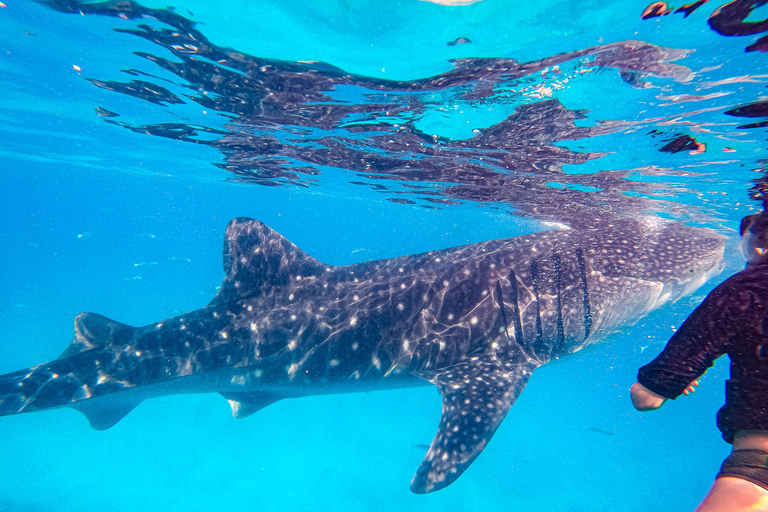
475, 321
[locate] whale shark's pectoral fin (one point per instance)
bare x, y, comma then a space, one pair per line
476, 397
245, 404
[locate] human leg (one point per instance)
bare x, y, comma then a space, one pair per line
741, 485
732, 494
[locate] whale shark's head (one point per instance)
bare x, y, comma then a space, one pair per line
676, 255
642, 265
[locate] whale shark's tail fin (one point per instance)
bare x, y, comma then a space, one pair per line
257, 257
476, 398
76, 379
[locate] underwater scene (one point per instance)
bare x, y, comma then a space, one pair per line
452, 232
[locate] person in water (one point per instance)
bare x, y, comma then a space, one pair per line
732, 320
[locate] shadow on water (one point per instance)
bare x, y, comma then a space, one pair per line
489, 130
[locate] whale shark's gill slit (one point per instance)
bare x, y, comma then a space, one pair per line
500, 302
560, 346
516, 308
587, 311
539, 343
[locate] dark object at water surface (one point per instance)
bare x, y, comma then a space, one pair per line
459, 40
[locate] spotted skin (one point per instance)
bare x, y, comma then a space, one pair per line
475, 321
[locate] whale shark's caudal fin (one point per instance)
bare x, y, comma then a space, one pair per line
256, 256
74, 380
476, 397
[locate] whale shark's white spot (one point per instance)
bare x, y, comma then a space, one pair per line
253, 326
400, 306
334, 362
353, 321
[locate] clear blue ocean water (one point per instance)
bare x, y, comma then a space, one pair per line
115, 199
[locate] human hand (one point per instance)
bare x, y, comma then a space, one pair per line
644, 399
691, 387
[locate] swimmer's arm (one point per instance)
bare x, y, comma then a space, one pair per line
693, 349
646, 400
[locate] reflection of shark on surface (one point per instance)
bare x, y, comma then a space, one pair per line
473, 320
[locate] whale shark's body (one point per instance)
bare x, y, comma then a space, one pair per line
474, 320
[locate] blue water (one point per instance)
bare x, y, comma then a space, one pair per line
97, 217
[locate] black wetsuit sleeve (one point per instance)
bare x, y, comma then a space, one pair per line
693, 349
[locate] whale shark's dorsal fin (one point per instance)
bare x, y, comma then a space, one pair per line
245, 404
476, 397
256, 256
